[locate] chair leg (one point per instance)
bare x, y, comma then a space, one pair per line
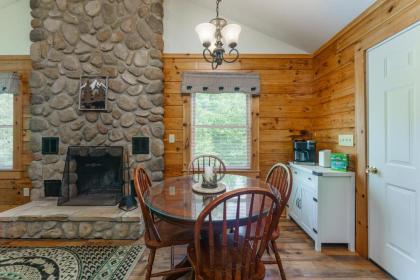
268, 249
172, 257
150, 263
276, 253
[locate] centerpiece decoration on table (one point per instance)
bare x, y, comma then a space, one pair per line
210, 183
209, 178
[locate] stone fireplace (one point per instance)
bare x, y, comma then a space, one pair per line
120, 39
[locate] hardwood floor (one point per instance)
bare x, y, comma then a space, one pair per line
5, 207
296, 249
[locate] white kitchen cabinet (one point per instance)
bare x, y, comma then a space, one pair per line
322, 203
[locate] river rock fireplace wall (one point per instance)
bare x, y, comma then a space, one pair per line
118, 39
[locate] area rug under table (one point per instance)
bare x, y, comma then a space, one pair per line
86, 262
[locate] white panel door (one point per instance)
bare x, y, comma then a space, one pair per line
394, 150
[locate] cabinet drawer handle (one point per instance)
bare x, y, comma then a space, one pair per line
314, 230
295, 172
316, 200
309, 178
298, 203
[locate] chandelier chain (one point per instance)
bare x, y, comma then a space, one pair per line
217, 7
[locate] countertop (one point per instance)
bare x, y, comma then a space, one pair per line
321, 171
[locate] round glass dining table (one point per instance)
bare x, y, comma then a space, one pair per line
175, 201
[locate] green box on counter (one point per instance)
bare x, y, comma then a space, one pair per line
339, 162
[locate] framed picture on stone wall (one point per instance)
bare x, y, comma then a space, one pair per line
93, 93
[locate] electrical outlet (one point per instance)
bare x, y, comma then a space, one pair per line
345, 140
26, 191
171, 139
172, 191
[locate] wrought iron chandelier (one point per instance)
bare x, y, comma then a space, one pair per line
214, 35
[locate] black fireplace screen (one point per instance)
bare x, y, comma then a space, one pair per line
93, 176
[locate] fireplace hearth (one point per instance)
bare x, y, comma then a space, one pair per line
93, 176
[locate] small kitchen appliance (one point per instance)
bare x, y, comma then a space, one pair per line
304, 152
324, 158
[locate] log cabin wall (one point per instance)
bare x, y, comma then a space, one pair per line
284, 105
339, 90
12, 182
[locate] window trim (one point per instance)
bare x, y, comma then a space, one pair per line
255, 107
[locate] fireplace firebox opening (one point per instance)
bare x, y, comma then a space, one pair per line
93, 176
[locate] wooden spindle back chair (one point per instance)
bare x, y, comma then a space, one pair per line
158, 234
232, 233
279, 177
198, 164
141, 184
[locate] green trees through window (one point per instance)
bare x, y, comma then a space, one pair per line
6, 131
221, 126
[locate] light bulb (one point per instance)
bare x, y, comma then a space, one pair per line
206, 33
230, 35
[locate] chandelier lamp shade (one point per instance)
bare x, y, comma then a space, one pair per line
217, 34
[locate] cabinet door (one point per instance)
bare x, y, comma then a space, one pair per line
306, 210
294, 202
309, 211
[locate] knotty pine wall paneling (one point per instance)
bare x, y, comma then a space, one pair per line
284, 105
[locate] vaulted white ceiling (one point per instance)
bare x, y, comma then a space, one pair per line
304, 24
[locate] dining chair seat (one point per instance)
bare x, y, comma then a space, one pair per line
274, 236
276, 233
233, 255
170, 235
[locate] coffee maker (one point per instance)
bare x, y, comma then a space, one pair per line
304, 152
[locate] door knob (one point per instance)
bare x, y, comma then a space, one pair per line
372, 169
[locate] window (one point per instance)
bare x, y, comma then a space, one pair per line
221, 126
6, 131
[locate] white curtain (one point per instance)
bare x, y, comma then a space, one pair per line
9, 83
